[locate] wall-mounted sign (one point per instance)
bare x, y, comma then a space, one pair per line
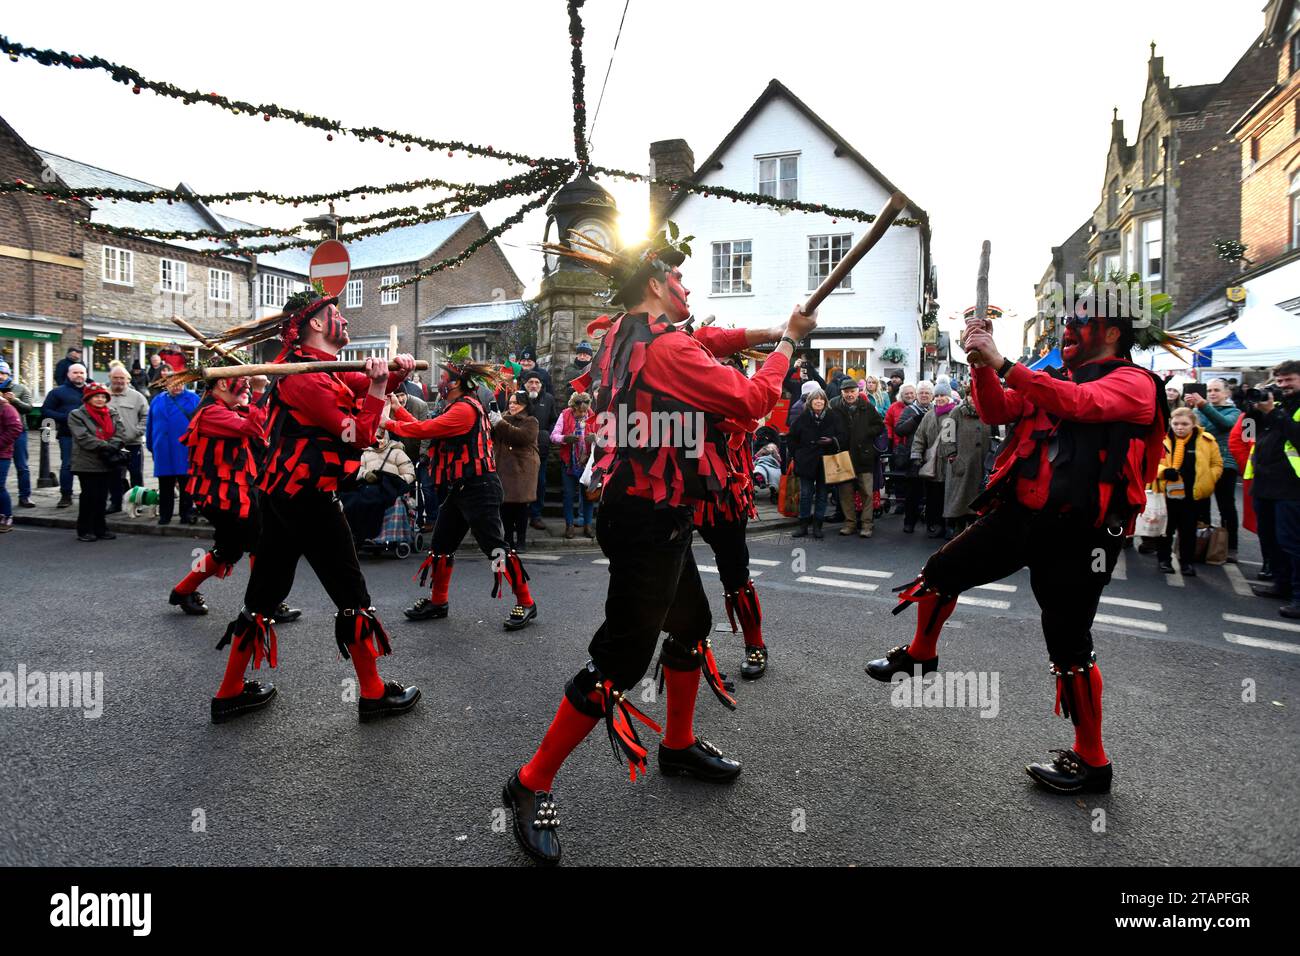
1236, 293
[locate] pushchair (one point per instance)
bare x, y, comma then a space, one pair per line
398, 534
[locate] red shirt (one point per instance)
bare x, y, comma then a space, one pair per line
222, 421
456, 420
314, 400
1125, 395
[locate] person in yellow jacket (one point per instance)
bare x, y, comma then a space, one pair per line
1188, 472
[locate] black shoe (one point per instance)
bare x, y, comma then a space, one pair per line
1270, 591
1166, 567
802, 532
254, 696
1067, 773
284, 614
817, 530
1265, 572
701, 760
909, 528
396, 700
1291, 610
521, 547
189, 519
1146, 549
899, 661
755, 663
25, 503
425, 610
65, 502
934, 532
86, 537
113, 510
836, 518
535, 820
520, 617
191, 603
1188, 571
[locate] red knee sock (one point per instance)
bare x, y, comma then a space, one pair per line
569, 728
681, 686
1087, 732
208, 567
931, 611
513, 571
363, 657
442, 568
743, 606
232, 685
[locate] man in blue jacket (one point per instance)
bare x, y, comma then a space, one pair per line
59, 403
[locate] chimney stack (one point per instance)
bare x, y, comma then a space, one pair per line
669, 159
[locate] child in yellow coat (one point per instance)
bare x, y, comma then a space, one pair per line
1187, 474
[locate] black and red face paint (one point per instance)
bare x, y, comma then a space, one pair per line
334, 327
677, 294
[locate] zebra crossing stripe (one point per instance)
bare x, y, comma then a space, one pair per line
1135, 622
1121, 568
1262, 622
712, 569
836, 583
983, 602
1238, 580
1261, 642
764, 563
1006, 588
1129, 602
855, 572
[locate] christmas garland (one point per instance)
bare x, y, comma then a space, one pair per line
133, 78
576, 32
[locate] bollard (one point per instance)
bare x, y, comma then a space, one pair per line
46, 478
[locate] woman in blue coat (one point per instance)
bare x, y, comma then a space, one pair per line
169, 417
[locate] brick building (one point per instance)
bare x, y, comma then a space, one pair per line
1168, 195
1268, 137
41, 266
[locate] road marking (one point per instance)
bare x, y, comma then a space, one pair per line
1238, 580
856, 572
1136, 622
764, 563
712, 569
601, 561
542, 557
1261, 642
1008, 588
836, 583
1121, 568
983, 602
1128, 602
1175, 580
1262, 622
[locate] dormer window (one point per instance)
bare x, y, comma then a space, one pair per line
778, 176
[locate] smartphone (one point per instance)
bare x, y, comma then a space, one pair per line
1195, 388
492, 406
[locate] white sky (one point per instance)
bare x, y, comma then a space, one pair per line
994, 117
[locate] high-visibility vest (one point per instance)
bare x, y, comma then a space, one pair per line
1292, 454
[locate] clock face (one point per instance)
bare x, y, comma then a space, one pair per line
596, 231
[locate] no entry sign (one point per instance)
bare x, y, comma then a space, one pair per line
331, 266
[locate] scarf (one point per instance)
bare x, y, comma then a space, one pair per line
103, 420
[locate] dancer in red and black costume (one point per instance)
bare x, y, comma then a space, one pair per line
226, 441
1066, 488
465, 471
318, 423
722, 523
652, 480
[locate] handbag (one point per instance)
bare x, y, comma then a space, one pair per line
930, 465
788, 497
1217, 552
1203, 533
838, 468
1151, 523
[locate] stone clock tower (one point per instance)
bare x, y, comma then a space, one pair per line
571, 294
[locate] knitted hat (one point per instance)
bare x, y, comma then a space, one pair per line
92, 389
809, 386
584, 347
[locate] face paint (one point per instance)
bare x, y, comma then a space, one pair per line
677, 296
334, 327
444, 386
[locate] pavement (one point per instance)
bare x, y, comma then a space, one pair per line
1200, 693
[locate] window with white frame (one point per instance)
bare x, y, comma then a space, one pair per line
119, 266
733, 264
389, 296
1111, 266
171, 276
1128, 248
1295, 211
353, 300
219, 285
1152, 246
779, 176
824, 254
275, 290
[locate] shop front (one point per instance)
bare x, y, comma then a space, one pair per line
31, 351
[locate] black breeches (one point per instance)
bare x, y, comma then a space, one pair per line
654, 586
233, 536
475, 508
727, 539
309, 525
1070, 563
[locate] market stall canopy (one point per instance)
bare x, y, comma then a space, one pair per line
1051, 359
1262, 336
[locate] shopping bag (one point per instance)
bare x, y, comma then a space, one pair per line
1151, 523
930, 466
1217, 552
789, 495
838, 467
1203, 532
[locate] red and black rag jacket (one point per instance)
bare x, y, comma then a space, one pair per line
225, 445
1086, 441
317, 424
462, 435
650, 374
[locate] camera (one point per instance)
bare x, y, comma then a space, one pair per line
1256, 395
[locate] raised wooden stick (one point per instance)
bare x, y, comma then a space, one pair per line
896, 204
295, 368
980, 319
202, 340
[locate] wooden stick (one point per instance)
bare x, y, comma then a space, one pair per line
202, 340
295, 368
980, 319
896, 204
